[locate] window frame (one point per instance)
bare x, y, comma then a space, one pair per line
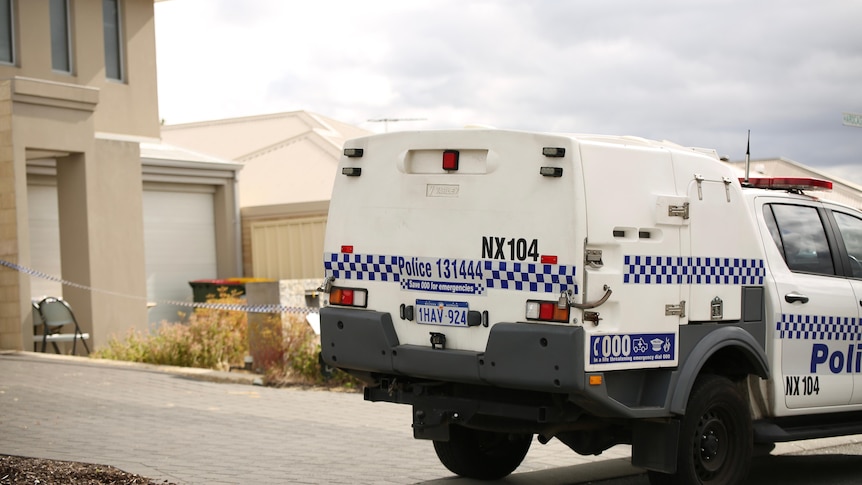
116, 39
847, 265
834, 244
67, 21
13, 58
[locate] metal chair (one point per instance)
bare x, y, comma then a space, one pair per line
54, 314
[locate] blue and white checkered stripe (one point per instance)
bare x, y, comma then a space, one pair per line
505, 275
361, 267
819, 327
548, 278
678, 270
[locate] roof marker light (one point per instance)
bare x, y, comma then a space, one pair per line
551, 171
788, 183
450, 159
555, 152
351, 171
353, 152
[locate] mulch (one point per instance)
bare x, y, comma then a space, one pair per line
19, 470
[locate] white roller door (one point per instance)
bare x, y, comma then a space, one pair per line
44, 239
179, 238
180, 246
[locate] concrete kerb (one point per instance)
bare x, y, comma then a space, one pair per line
234, 377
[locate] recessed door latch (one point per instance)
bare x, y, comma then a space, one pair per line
716, 311
593, 258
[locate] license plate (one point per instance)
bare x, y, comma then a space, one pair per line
436, 312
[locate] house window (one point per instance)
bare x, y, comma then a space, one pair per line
61, 54
113, 36
7, 46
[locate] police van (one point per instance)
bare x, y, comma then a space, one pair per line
597, 290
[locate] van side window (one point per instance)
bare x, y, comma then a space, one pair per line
799, 234
851, 231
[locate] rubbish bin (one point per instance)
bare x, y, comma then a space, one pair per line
201, 289
207, 289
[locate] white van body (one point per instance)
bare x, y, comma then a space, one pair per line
594, 289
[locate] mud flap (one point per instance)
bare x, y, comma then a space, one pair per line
654, 445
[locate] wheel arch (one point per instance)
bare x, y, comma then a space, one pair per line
729, 351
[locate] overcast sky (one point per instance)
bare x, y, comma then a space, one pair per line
699, 73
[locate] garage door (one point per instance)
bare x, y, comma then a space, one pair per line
44, 239
179, 238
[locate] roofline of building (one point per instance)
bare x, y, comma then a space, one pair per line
802, 166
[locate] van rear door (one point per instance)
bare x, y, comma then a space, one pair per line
453, 231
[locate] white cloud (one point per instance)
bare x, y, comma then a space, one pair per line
698, 73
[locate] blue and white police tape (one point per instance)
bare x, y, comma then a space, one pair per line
209, 305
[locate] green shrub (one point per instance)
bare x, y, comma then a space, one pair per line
211, 339
285, 349
301, 364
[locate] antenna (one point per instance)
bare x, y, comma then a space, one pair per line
386, 121
747, 156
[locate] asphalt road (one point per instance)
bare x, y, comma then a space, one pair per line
181, 426
833, 465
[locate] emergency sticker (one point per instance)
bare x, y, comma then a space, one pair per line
628, 348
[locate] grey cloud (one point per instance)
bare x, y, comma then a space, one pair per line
698, 73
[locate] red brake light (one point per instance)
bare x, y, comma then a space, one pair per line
450, 159
547, 311
788, 183
355, 297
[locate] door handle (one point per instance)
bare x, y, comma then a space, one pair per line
793, 297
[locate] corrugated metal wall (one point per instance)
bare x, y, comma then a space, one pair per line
288, 249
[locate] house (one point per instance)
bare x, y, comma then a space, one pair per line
88, 196
289, 165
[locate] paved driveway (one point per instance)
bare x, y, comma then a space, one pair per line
166, 425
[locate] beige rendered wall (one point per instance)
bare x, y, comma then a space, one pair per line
11, 304
58, 115
101, 217
128, 107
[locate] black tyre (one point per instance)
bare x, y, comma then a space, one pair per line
483, 455
715, 441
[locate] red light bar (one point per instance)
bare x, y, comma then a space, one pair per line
788, 183
450, 160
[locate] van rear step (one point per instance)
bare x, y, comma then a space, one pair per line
807, 427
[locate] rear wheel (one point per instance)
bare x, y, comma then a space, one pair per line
715, 441
483, 455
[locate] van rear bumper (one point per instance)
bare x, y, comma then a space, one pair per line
524, 356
